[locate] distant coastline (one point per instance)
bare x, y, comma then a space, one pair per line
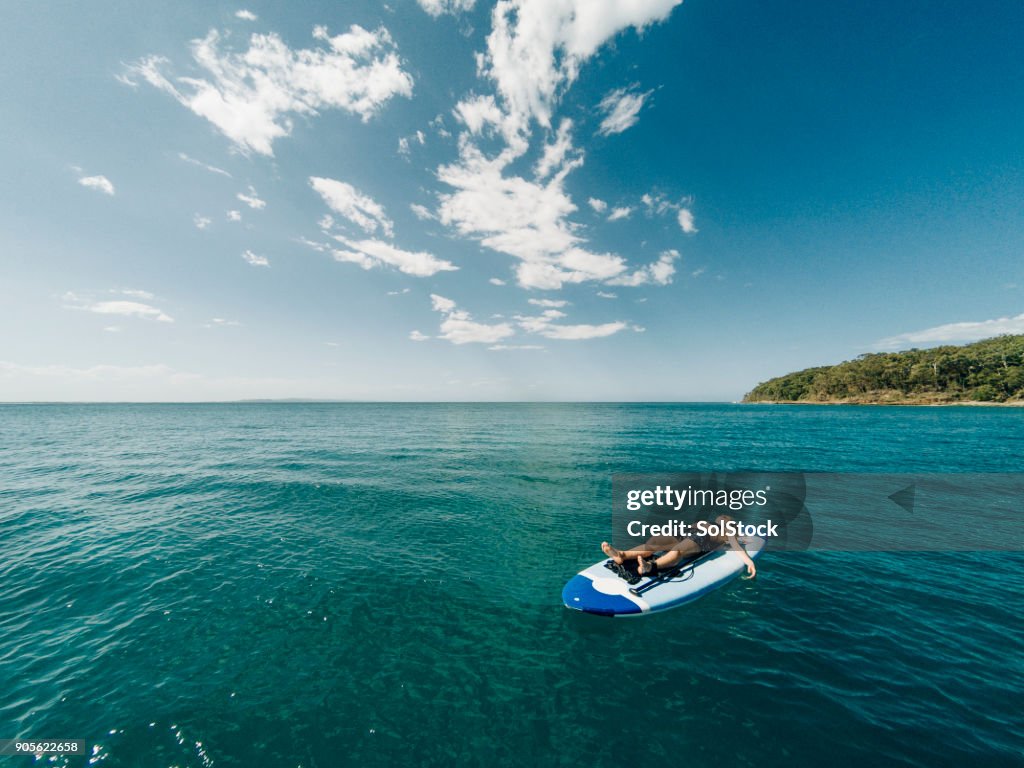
989, 372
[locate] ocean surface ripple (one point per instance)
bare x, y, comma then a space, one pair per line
376, 585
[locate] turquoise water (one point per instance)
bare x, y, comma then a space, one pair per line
323, 585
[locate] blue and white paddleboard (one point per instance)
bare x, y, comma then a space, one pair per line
599, 589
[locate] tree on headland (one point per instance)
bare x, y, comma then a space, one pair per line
986, 371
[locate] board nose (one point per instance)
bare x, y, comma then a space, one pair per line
580, 594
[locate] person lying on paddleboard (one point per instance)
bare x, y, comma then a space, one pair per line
677, 549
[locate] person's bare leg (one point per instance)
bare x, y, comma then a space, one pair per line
654, 544
612, 552
685, 548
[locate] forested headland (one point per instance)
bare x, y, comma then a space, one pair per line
989, 371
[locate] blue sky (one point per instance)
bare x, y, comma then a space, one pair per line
539, 199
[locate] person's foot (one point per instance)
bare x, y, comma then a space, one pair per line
642, 566
612, 552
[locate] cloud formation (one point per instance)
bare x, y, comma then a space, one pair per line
685, 218
522, 218
255, 260
536, 47
345, 200
657, 205
118, 306
370, 216
545, 325
369, 253
205, 166
251, 97
622, 110
658, 273
100, 183
951, 333
437, 7
459, 328
251, 199
534, 52
549, 303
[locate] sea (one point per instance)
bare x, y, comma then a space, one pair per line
341, 584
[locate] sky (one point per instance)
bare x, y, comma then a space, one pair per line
627, 200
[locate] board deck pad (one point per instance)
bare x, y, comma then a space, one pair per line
602, 590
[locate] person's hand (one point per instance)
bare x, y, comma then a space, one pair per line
751, 571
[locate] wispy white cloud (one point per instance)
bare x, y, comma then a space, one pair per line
205, 166
370, 216
399, 293
369, 253
437, 7
345, 200
658, 273
118, 307
478, 113
685, 218
134, 292
405, 142
255, 260
513, 347
599, 206
496, 281
251, 199
546, 325
657, 204
556, 152
621, 108
459, 328
246, 15
438, 125
549, 303
201, 222
417, 336
222, 322
234, 215
99, 183
250, 97
620, 213
607, 295
955, 332
421, 212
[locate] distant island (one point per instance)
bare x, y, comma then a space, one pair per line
989, 371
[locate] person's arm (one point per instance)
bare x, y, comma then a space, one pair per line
735, 545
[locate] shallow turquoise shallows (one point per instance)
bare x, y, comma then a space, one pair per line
379, 585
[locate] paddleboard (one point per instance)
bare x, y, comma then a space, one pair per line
606, 590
